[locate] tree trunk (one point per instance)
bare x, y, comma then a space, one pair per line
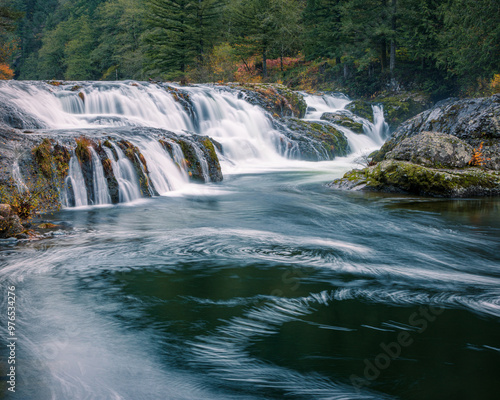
264, 63
346, 71
393, 39
281, 59
383, 54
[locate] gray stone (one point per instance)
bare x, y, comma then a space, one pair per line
433, 149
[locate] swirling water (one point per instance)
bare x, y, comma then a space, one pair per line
268, 285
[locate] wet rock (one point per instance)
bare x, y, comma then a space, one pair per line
341, 118
277, 99
315, 140
15, 118
406, 177
397, 108
472, 120
433, 149
432, 153
10, 223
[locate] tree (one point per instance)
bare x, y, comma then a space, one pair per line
285, 20
181, 32
8, 19
119, 53
322, 29
470, 41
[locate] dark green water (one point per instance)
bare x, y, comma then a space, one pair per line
268, 286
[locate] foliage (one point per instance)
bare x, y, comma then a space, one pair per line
360, 46
478, 159
6, 72
38, 196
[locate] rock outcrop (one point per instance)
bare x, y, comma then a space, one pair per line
10, 223
451, 150
277, 99
397, 108
316, 141
343, 118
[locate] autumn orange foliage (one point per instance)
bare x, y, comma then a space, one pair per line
6, 72
478, 158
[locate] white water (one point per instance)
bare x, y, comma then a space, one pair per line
164, 174
18, 178
77, 183
128, 184
246, 133
244, 130
375, 133
101, 191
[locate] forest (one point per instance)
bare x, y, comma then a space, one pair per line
441, 47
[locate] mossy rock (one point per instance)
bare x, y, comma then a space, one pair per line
397, 108
406, 177
42, 154
275, 98
133, 153
314, 136
343, 120
362, 109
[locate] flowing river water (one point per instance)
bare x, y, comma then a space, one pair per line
268, 285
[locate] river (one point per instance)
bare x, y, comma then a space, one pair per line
268, 285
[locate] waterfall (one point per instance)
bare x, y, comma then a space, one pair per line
374, 133
163, 173
137, 111
244, 130
123, 169
100, 184
76, 192
381, 128
18, 178
203, 162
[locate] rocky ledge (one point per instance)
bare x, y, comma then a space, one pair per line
397, 107
451, 150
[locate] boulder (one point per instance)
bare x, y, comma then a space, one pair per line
406, 177
316, 140
10, 224
472, 120
342, 119
451, 150
433, 149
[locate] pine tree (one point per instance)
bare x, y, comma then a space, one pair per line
181, 32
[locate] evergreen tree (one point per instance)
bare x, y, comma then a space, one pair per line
322, 29
181, 32
119, 54
470, 41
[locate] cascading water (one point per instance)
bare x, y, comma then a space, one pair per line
18, 179
375, 133
76, 192
247, 134
244, 130
163, 173
128, 184
101, 191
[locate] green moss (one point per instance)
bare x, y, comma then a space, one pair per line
211, 149
61, 158
43, 157
82, 150
362, 109
416, 179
